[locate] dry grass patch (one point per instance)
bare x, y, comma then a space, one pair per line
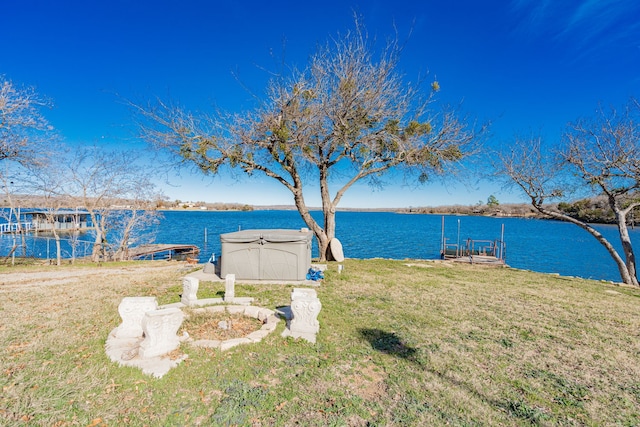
398, 345
206, 325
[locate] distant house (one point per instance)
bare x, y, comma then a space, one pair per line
62, 220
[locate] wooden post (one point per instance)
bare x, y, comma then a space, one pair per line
442, 247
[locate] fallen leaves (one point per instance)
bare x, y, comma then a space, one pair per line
112, 387
17, 349
175, 354
96, 422
207, 326
11, 370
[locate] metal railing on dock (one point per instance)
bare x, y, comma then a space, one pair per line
13, 227
474, 251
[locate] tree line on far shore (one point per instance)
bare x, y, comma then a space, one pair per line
594, 210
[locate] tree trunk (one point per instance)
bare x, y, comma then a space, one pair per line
12, 254
625, 275
329, 213
74, 244
97, 247
13, 251
58, 248
98, 243
23, 236
319, 232
323, 246
627, 248
123, 247
329, 228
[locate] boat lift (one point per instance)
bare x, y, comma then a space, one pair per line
474, 251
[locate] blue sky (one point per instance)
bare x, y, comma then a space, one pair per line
525, 65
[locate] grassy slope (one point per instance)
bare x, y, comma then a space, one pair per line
429, 344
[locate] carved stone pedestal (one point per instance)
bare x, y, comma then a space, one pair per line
305, 307
132, 310
190, 287
160, 330
229, 287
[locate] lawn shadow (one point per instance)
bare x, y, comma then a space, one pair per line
389, 343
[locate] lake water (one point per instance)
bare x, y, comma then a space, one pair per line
539, 245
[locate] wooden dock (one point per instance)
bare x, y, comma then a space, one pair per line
488, 260
164, 251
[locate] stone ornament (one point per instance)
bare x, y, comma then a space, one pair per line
305, 307
125, 342
148, 332
160, 330
190, 287
229, 287
132, 310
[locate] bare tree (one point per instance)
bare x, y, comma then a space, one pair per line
24, 132
95, 180
604, 153
101, 181
33, 185
47, 181
24, 137
549, 175
348, 117
12, 181
133, 225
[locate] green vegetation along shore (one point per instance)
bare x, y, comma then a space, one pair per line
400, 343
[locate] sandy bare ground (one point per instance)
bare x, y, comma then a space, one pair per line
22, 281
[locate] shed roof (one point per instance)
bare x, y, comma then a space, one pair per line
55, 212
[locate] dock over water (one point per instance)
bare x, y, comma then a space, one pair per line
473, 251
164, 251
479, 259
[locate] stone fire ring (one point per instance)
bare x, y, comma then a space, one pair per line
268, 318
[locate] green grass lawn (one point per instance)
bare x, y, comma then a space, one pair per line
400, 344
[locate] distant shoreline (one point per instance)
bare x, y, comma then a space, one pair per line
502, 210
459, 211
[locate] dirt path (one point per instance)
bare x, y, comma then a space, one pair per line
11, 282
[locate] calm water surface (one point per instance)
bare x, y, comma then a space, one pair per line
539, 245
